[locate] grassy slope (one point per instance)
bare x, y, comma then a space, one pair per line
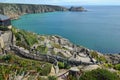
11, 64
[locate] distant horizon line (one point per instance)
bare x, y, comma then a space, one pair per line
67, 4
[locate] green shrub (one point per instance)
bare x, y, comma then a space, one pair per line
70, 77
63, 65
28, 37
18, 37
67, 66
4, 28
108, 65
52, 78
99, 74
22, 44
45, 69
1, 77
42, 49
4, 72
117, 67
7, 58
95, 55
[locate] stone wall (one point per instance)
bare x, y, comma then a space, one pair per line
47, 58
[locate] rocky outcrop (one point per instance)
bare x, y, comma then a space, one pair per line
59, 47
16, 10
78, 9
113, 58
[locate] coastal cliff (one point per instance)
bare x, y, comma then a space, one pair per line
50, 50
26, 55
16, 10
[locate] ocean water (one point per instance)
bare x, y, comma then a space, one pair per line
97, 29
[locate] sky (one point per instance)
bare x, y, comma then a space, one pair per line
65, 2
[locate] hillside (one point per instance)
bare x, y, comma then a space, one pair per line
28, 49
16, 10
29, 56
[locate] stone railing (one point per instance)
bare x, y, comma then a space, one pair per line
47, 58
26, 54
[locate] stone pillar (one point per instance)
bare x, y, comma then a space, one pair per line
56, 69
52, 72
2, 45
1, 42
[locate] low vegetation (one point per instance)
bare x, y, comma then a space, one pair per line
56, 46
11, 63
41, 38
42, 49
3, 28
98, 57
70, 77
52, 78
99, 74
62, 65
117, 67
25, 38
113, 66
108, 65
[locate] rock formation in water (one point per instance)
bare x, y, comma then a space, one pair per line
16, 10
79, 9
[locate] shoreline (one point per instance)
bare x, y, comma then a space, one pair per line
43, 34
16, 18
69, 41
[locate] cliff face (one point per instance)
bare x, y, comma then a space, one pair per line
15, 10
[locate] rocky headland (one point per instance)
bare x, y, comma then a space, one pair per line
77, 9
16, 10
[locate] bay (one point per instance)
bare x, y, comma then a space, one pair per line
97, 29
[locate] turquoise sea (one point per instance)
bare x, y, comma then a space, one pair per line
97, 29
